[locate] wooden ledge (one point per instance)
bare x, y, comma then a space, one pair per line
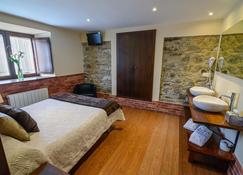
209, 118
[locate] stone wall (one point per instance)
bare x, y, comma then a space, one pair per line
55, 85
184, 60
97, 65
232, 51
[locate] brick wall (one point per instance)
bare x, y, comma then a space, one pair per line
169, 108
66, 83
54, 85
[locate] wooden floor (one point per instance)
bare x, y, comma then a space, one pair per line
147, 143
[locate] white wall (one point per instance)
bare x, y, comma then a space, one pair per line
66, 46
172, 30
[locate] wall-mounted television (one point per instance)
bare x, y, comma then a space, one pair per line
94, 38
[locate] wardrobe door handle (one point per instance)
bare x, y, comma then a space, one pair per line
133, 67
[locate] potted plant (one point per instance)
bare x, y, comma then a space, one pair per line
16, 58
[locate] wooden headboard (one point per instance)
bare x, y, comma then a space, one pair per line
4, 164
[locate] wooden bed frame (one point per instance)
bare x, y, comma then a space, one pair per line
4, 164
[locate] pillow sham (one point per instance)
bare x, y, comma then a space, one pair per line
22, 117
10, 127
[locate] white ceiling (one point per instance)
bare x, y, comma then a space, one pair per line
107, 14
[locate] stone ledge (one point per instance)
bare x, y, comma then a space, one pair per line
11, 81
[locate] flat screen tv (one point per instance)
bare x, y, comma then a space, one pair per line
94, 38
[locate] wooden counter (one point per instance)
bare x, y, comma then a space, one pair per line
209, 118
210, 152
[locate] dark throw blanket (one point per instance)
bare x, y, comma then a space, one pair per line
108, 105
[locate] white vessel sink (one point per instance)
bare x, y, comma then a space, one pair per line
197, 90
210, 103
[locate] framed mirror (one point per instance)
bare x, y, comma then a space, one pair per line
230, 57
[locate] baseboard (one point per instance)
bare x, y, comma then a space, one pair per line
169, 108
235, 168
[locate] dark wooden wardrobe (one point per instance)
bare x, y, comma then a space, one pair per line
135, 64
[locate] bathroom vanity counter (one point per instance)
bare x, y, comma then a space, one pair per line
209, 118
211, 149
210, 153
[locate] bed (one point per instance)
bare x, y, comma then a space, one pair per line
67, 132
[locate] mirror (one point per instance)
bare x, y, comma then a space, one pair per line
230, 57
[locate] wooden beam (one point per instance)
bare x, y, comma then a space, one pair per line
4, 164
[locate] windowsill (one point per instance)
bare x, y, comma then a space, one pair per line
27, 79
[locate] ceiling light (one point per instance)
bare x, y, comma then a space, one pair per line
88, 20
210, 13
154, 9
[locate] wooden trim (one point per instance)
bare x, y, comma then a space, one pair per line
52, 63
34, 56
4, 170
7, 51
21, 35
37, 60
149, 30
16, 33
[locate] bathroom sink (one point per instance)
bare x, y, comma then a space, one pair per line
197, 90
210, 103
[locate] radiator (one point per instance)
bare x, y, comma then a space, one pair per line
22, 99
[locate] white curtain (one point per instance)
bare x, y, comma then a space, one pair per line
4, 70
24, 45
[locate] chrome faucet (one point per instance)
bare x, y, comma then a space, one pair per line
233, 100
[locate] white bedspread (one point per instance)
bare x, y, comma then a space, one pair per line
67, 131
22, 159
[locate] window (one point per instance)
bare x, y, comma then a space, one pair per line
25, 45
4, 69
37, 55
44, 55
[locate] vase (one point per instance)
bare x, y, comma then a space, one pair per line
20, 74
